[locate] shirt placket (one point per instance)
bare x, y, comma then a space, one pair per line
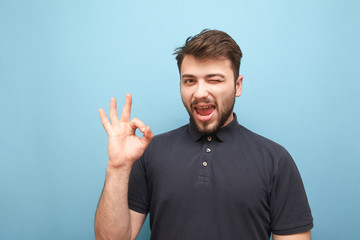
205, 160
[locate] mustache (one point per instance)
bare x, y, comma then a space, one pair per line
206, 100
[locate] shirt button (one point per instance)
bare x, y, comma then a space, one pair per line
209, 139
204, 164
208, 150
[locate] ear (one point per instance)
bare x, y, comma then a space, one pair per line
238, 86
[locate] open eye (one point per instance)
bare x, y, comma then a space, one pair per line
189, 81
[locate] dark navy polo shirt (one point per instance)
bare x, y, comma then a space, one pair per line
232, 185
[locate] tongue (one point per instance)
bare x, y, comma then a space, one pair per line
205, 111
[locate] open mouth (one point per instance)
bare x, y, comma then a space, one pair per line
204, 112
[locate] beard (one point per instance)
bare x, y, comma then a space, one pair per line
224, 114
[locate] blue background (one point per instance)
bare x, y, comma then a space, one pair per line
60, 61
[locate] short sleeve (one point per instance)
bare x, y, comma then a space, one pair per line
138, 194
289, 208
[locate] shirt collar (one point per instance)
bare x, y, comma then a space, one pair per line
222, 134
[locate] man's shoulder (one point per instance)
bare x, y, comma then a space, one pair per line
174, 134
170, 141
262, 148
256, 140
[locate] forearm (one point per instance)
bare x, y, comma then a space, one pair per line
112, 219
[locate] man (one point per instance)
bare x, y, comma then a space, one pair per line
210, 179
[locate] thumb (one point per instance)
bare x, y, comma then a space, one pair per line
147, 137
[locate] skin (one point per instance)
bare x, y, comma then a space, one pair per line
297, 236
113, 218
204, 83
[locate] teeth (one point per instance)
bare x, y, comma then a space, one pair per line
204, 107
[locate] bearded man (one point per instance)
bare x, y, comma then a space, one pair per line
209, 179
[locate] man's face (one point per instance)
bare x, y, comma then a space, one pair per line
208, 92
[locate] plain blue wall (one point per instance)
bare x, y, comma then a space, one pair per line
62, 60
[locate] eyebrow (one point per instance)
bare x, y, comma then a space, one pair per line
187, 75
215, 75
207, 76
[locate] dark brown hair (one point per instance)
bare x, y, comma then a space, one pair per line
211, 44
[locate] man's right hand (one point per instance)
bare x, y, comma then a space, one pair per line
125, 147
114, 219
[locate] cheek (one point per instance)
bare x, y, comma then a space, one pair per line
185, 101
226, 98
185, 96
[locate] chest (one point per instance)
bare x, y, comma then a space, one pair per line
210, 176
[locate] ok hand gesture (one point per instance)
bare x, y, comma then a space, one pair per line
125, 147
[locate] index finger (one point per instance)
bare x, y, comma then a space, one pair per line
126, 112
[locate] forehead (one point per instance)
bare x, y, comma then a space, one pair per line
200, 66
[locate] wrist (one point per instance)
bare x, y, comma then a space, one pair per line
118, 169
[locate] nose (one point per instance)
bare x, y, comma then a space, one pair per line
201, 90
